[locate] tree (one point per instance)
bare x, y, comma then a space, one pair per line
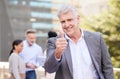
109, 24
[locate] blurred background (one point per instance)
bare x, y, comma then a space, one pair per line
16, 16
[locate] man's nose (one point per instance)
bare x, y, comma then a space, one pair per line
66, 23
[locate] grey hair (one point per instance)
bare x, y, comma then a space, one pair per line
67, 8
30, 31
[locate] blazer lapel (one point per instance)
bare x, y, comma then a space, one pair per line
69, 59
89, 43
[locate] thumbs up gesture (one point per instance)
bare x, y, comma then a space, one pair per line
61, 44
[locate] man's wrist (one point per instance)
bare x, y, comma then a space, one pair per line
57, 54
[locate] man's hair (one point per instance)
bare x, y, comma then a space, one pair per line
30, 31
67, 8
52, 34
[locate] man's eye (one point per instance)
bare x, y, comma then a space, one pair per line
62, 21
69, 19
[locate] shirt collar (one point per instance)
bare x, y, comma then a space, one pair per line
28, 43
82, 35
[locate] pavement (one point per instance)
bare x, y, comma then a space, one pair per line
4, 72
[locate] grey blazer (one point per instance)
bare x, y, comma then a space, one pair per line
98, 52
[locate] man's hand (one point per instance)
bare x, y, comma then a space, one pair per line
32, 66
61, 44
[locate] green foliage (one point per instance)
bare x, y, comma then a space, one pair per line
109, 24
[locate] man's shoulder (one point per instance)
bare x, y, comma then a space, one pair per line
92, 33
24, 42
53, 38
37, 45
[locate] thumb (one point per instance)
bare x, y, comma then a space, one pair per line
61, 33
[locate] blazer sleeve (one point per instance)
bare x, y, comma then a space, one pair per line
15, 64
51, 63
107, 67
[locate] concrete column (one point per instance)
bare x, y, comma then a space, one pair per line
6, 36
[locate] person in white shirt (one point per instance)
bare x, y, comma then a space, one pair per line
31, 54
75, 53
16, 65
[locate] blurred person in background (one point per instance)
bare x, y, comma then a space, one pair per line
50, 75
31, 54
75, 53
16, 65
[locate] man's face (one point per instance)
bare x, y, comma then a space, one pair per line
31, 38
69, 23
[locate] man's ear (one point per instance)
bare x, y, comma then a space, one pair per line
78, 18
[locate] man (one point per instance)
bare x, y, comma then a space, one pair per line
51, 34
77, 54
31, 53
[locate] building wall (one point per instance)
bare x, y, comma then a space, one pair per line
6, 35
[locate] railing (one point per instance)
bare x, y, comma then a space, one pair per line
116, 73
4, 73
116, 69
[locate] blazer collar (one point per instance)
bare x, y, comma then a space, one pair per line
89, 42
69, 59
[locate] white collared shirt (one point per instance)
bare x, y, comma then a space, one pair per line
82, 64
31, 54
